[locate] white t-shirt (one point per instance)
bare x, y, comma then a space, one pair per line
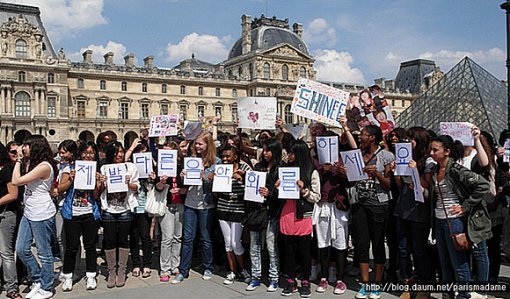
38, 203
81, 203
113, 202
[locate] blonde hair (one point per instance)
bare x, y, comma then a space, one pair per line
210, 153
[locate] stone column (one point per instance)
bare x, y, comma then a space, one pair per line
2, 100
44, 103
10, 103
3, 138
37, 102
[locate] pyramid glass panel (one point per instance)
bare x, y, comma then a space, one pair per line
466, 93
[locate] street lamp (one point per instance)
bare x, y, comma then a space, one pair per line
506, 6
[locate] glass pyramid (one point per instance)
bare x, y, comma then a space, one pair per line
466, 93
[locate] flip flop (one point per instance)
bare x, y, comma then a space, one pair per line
146, 273
135, 272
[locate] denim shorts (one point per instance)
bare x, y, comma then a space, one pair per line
114, 217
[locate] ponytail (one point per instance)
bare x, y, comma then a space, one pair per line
456, 147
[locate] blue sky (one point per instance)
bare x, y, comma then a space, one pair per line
353, 41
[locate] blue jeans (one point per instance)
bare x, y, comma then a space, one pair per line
412, 240
7, 233
480, 262
454, 263
204, 220
42, 232
256, 249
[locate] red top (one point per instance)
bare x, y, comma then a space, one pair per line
291, 226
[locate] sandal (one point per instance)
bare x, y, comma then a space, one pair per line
135, 272
14, 295
146, 273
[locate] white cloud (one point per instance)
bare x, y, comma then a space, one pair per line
206, 47
452, 57
336, 66
119, 51
319, 32
67, 17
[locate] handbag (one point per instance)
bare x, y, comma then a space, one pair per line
256, 219
156, 201
460, 240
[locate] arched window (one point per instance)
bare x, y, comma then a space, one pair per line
183, 89
22, 76
234, 93
266, 70
80, 83
218, 91
144, 87
102, 85
123, 86
302, 72
21, 48
163, 88
22, 104
51, 78
285, 72
200, 91
288, 115
240, 72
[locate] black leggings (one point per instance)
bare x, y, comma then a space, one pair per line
331, 254
85, 226
140, 230
297, 251
116, 230
368, 226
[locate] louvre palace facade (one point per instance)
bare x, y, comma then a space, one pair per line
43, 92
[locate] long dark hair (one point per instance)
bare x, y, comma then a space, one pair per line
111, 150
421, 150
275, 147
4, 156
303, 160
85, 145
456, 147
40, 151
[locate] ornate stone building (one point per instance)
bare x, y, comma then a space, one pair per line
42, 92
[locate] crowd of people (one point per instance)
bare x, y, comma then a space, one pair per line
454, 235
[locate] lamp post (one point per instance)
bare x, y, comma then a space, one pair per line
506, 7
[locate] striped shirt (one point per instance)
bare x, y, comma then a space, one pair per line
230, 206
450, 199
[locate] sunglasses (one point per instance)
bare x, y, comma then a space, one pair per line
13, 152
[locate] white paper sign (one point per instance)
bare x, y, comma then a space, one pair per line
223, 178
418, 194
163, 125
327, 149
458, 131
167, 163
404, 154
298, 131
254, 180
143, 162
288, 188
116, 177
506, 155
193, 171
85, 175
257, 112
320, 102
353, 161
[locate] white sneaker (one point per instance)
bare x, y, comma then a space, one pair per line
332, 275
33, 290
42, 294
91, 281
67, 285
475, 295
230, 278
314, 274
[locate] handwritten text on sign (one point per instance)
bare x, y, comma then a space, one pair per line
353, 161
404, 153
223, 178
167, 163
193, 171
116, 178
319, 102
143, 162
163, 125
288, 188
327, 149
458, 131
85, 175
254, 180
256, 112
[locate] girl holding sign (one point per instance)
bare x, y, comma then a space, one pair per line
296, 220
80, 211
230, 213
370, 213
199, 211
117, 210
35, 170
271, 159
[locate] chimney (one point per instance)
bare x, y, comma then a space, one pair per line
108, 58
298, 29
87, 56
149, 62
246, 34
129, 60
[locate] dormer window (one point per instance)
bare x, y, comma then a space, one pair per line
21, 48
